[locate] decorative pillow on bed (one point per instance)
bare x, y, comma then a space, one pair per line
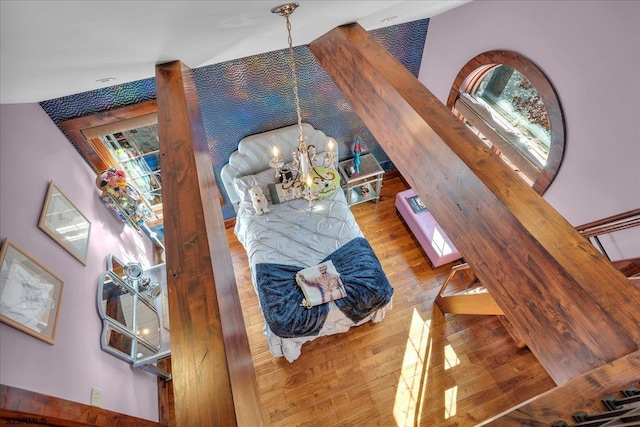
325, 187
245, 183
280, 193
320, 284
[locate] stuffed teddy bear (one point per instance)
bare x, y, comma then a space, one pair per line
259, 200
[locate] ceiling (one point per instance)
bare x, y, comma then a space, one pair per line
50, 49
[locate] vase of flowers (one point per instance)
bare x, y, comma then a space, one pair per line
122, 197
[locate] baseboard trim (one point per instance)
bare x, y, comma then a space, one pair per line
24, 406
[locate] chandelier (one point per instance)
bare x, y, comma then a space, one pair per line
305, 173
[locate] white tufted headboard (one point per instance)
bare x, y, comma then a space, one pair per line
254, 152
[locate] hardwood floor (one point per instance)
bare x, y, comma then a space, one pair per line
417, 367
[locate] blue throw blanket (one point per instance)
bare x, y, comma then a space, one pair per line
368, 289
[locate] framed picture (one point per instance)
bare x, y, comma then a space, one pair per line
64, 223
30, 294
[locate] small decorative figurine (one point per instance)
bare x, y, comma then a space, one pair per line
357, 149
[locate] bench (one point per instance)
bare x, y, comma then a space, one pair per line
424, 227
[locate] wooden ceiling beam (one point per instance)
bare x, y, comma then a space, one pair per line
214, 382
573, 308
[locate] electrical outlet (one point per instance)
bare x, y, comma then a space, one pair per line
96, 397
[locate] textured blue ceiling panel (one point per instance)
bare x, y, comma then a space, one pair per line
96, 101
255, 94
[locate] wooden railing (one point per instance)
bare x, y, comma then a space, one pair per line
623, 221
591, 398
582, 396
620, 409
474, 299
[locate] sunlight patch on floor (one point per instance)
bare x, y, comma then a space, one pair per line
450, 357
408, 402
450, 398
439, 244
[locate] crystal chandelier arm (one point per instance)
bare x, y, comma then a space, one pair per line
304, 158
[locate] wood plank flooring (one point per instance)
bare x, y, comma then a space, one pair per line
417, 367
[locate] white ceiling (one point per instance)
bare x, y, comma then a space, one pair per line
50, 49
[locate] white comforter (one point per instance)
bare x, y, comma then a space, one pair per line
294, 234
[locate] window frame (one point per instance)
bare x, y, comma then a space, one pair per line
93, 149
474, 71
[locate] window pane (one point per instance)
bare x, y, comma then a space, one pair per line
516, 100
145, 139
137, 151
153, 161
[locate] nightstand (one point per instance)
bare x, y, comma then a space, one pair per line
365, 185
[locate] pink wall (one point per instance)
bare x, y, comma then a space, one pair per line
32, 152
589, 49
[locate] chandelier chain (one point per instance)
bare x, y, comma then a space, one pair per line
295, 78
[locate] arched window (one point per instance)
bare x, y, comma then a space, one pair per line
511, 105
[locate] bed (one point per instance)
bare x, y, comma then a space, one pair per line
291, 237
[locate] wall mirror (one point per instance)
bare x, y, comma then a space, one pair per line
130, 310
115, 266
116, 341
117, 301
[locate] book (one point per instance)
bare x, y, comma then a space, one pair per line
416, 204
320, 284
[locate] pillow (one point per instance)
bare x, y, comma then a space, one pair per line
325, 187
243, 184
279, 194
320, 284
321, 187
